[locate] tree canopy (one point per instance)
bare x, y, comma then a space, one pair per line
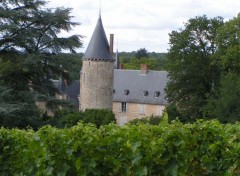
29, 46
141, 53
155, 61
204, 69
192, 76
224, 104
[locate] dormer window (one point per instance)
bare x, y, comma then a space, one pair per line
126, 92
145, 93
156, 94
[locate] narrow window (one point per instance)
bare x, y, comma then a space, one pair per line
88, 63
124, 107
83, 77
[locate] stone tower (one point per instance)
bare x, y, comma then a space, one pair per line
96, 76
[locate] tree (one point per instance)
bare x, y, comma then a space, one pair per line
191, 72
155, 61
141, 53
224, 104
29, 43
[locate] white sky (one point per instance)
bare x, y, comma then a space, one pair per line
142, 23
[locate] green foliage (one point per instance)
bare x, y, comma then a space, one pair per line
224, 103
153, 120
192, 74
99, 116
202, 148
17, 109
155, 61
29, 48
68, 118
141, 53
153, 64
204, 70
71, 63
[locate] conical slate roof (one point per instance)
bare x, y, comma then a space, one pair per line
98, 47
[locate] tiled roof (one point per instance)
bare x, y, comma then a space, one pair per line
131, 86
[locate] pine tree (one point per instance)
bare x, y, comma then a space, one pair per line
29, 46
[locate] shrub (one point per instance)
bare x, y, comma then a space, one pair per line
201, 148
65, 118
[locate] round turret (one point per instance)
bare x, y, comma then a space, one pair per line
96, 77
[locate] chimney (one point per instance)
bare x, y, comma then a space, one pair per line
111, 44
121, 67
143, 69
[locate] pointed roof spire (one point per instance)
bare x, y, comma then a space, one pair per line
98, 47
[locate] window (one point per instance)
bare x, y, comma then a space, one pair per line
124, 107
145, 92
83, 77
126, 92
156, 94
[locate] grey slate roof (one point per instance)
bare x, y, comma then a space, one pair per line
137, 84
98, 47
72, 90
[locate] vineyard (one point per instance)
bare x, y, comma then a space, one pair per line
202, 148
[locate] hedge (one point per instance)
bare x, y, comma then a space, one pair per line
202, 148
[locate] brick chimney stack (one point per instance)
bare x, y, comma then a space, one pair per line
111, 44
143, 69
121, 67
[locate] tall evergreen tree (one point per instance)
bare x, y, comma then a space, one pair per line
29, 42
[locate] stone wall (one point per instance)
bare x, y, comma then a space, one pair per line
135, 111
96, 85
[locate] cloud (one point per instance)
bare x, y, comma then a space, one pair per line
143, 23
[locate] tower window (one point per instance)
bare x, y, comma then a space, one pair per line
124, 107
83, 77
89, 63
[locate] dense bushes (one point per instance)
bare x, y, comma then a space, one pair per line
66, 118
202, 148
